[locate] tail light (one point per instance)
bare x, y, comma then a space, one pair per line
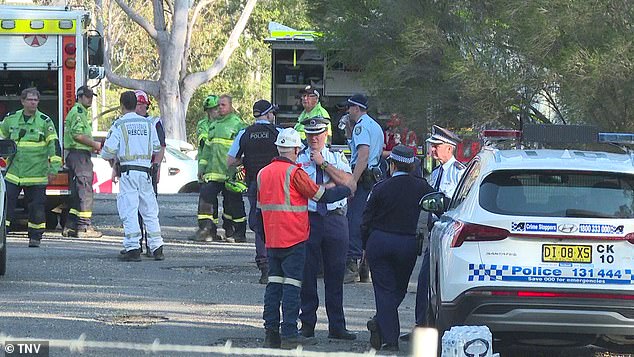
70, 49
630, 237
173, 171
70, 62
469, 232
552, 294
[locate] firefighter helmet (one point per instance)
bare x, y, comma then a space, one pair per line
211, 102
142, 97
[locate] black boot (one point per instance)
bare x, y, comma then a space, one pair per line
272, 339
133, 255
264, 275
364, 271
375, 334
352, 272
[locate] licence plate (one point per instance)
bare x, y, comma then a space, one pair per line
562, 253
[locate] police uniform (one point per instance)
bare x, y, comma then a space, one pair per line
389, 233
327, 243
132, 140
256, 146
368, 132
444, 178
38, 155
80, 168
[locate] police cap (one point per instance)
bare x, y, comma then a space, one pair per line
441, 135
315, 125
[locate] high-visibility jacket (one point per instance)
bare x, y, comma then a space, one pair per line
77, 123
317, 111
39, 153
212, 161
284, 207
132, 140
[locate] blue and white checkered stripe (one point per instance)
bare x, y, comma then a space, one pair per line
630, 273
482, 272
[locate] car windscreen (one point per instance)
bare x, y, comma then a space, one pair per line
550, 193
177, 153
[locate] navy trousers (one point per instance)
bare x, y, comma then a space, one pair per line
422, 299
327, 245
356, 205
255, 223
391, 258
286, 270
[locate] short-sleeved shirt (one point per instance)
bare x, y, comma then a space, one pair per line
367, 132
452, 172
77, 123
336, 159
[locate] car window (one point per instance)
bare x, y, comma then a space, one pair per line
466, 184
558, 194
177, 153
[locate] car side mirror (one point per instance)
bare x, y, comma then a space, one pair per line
435, 202
7, 148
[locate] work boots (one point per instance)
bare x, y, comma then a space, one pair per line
364, 271
133, 255
297, 340
352, 272
34, 242
272, 339
87, 232
205, 235
158, 253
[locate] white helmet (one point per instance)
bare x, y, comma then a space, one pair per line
289, 138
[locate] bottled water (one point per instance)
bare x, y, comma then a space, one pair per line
343, 122
468, 341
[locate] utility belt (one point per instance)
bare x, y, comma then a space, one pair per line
127, 168
334, 212
370, 176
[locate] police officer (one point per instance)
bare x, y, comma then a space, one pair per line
388, 230
366, 144
131, 141
254, 147
328, 240
37, 160
79, 142
444, 178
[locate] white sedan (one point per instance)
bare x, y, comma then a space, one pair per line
537, 243
178, 174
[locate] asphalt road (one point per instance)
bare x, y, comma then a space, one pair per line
203, 294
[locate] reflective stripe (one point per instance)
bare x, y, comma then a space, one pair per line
31, 144
82, 214
51, 137
109, 151
36, 225
133, 235
224, 215
286, 206
149, 142
319, 193
207, 216
126, 158
32, 180
55, 158
212, 176
202, 162
124, 133
154, 234
51, 27
221, 141
283, 280
239, 220
7, 223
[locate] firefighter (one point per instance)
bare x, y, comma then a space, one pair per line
312, 108
389, 234
131, 141
37, 160
254, 147
215, 173
328, 239
79, 142
283, 193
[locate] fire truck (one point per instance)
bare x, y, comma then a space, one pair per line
47, 48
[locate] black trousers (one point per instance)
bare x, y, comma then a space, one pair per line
81, 196
208, 208
36, 204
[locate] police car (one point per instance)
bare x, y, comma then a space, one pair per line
538, 242
7, 148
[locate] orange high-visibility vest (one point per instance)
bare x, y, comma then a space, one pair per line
284, 209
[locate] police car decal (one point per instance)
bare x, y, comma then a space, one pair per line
558, 274
549, 227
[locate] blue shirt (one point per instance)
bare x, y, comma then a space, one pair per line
367, 132
336, 159
452, 172
235, 146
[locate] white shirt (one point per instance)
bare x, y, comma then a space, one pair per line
336, 159
452, 172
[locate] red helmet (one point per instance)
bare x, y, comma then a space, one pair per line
142, 97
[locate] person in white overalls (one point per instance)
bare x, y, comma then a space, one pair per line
131, 141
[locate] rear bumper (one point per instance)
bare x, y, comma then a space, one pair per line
543, 315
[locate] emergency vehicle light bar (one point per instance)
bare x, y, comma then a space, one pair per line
493, 135
616, 138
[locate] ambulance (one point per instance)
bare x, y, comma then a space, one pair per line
48, 48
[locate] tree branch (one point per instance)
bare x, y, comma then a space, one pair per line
140, 20
193, 81
159, 15
190, 28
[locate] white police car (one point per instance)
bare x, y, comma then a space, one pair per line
538, 242
7, 148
